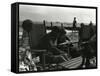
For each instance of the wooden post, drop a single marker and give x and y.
(44, 22)
(51, 24)
(62, 27)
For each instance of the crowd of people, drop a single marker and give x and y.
(52, 41)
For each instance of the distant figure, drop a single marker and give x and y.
(91, 24)
(85, 35)
(74, 22)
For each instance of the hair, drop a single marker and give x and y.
(55, 29)
(82, 24)
(62, 31)
(27, 25)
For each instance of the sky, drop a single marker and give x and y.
(56, 14)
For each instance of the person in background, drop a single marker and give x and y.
(74, 22)
(93, 39)
(85, 34)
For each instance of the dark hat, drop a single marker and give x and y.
(27, 25)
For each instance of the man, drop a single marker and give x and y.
(85, 34)
(49, 42)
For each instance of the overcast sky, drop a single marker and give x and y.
(62, 14)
